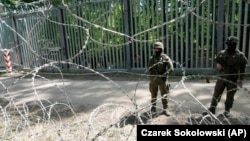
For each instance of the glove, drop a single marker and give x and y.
(240, 83)
(219, 67)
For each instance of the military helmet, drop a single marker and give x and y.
(159, 45)
(232, 39)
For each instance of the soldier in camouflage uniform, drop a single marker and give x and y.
(231, 63)
(160, 65)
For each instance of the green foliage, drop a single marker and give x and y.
(12, 5)
(15, 2)
(56, 2)
(9, 2)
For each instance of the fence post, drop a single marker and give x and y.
(16, 40)
(6, 54)
(64, 52)
(127, 31)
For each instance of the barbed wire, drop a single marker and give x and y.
(19, 119)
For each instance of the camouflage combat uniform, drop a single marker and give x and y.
(231, 64)
(159, 69)
(234, 65)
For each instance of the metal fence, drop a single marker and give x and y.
(118, 34)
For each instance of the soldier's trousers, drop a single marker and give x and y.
(220, 86)
(154, 86)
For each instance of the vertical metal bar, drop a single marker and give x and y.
(157, 19)
(54, 33)
(95, 56)
(140, 43)
(122, 53)
(214, 32)
(233, 19)
(149, 47)
(208, 35)
(109, 38)
(49, 29)
(112, 38)
(24, 33)
(117, 48)
(69, 34)
(166, 28)
(126, 20)
(33, 24)
(172, 34)
(227, 16)
(248, 48)
(119, 62)
(202, 37)
(75, 43)
(36, 34)
(97, 46)
(142, 37)
(145, 47)
(197, 37)
(245, 28)
(176, 34)
(137, 30)
(16, 40)
(182, 38)
(163, 21)
(187, 37)
(163, 34)
(192, 39)
(64, 52)
(104, 48)
(79, 35)
(113, 56)
(44, 43)
(220, 27)
(240, 17)
(109, 50)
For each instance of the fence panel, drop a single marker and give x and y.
(7, 40)
(95, 43)
(38, 39)
(109, 34)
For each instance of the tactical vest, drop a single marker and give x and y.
(231, 63)
(160, 64)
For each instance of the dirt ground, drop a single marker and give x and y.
(106, 107)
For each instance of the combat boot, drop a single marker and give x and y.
(211, 109)
(226, 114)
(166, 112)
(153, 109)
